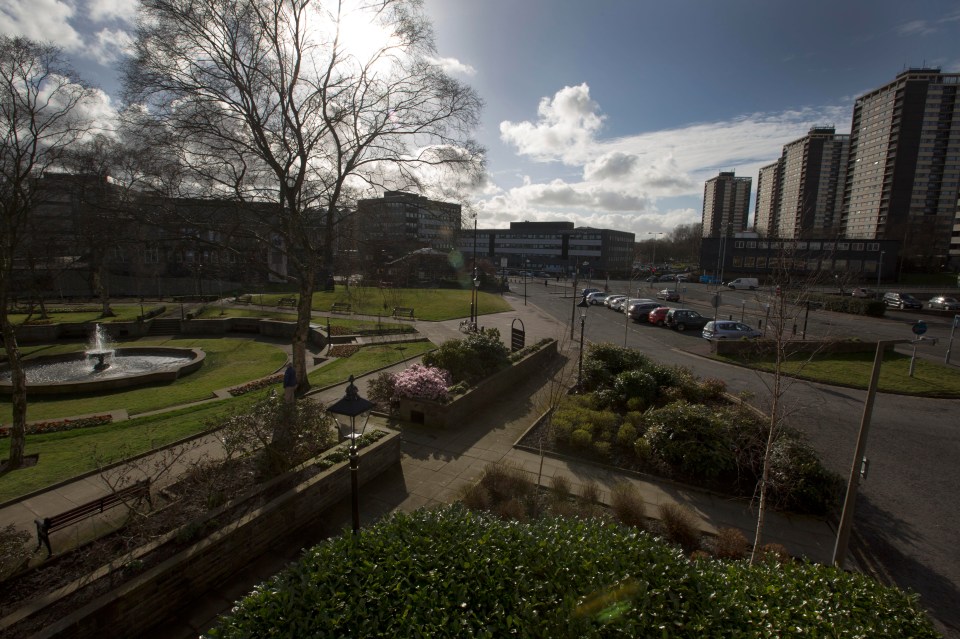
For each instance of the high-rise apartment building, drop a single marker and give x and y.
(767, 208)
(726, 204)
(904, 167)
(811, 184)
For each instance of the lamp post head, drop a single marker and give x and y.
(351, 405)
(583, 303)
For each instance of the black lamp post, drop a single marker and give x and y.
(352, 406)
(476, 295)
(583, 306)
(473, 293)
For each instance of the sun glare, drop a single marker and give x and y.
(362, 36)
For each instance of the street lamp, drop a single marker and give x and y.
(352, 406)
(583, 305)
(573, 314)
(473, 300)
(879, 271)
(653, 259)
(476, 294)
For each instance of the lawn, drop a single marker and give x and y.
(853, 369)
(214, 312)
(71, 453)
(432, 304)
(65, 314)
(229, 362)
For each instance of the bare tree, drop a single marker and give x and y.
(305, 104)
(42, 105)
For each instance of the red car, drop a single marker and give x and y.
(658, 315)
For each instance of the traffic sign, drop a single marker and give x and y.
(919, 328)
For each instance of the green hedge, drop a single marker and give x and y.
(453, 573)
(852, 305)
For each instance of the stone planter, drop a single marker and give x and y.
(456, 411)
(149, 598)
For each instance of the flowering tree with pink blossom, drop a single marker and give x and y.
(422, 382)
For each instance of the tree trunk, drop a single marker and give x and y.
(19, 394)
(97, 277)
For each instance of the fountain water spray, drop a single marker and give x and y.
(100, 348)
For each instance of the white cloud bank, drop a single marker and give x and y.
(643, 182)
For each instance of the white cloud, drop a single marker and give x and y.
(110, 45)
(649, 181)
(42, 21)
(104, 10)
(565, 130)
(916, 27)
(453, 66)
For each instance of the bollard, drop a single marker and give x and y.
(794, 330)
(729, 318)
(759, 324)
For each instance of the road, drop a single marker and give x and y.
(906, 510)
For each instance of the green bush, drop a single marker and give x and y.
(798, 481)
(685, 437)
(471, 359)
(452, 573)
(627, 435)
(581, 439)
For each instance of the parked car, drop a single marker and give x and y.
(682, 278)
(597, 298)
(863, 292)
(667, 278)
(944, 303)
(587, 291)
(639, 310)
(657, 315)
(613, 302)
(652, 278)
(611, 298)
(901, 300)
(729, 330)
(682, 319)
(668, 294)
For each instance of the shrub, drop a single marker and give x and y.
(627, 505)
(637, 388)
(560, 484)
(422, 382)
(685, 437)
(680, 526)
(798, 480)
(581, 439)
(775, 552)
(471, 359)
(730, 544)
(590, 492)
(14, 551)
(381, 390)
(505, 482)
(627, 435)
(458, 575)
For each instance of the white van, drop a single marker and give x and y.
(744, 282)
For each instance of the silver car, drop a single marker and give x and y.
(724, 329)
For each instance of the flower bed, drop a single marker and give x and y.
(343, 350)
(256, 384)
(60, 425)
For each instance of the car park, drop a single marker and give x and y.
(668, 294)
(682, 319)
(724, 329)
(902, 301)
(944, 303)
(657, 315)
(597, 298)
(639, 310)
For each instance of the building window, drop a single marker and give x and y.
(761, 262)
(737, 260)
(738, 244)
(750, 262)
(843, 246)
(151, 255)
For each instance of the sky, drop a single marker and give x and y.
(613, 113)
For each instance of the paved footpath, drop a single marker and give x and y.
(437, 464)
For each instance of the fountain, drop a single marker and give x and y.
(100, 348)
(113, 368)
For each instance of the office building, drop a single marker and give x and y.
(904, 167)
(811, 184)
(767, 207)
(726, 204)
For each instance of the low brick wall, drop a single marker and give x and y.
(792, 347)
(155, 596)
(487, 391)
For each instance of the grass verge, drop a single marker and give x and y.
(853, 370)
(72, 453)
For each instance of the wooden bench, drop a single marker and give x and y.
(402, 312)
(341, 307)
(243, 299)
(287, 301)
(136, 491)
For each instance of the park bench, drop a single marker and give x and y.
(243, 299)
(136, 491)
(341, 307)
(287, 301)
(403, 312)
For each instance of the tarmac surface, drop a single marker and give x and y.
(435, 466)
